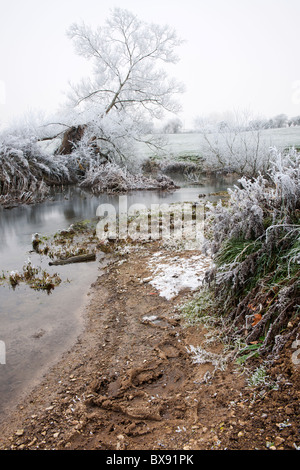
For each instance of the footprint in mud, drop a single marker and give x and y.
(117, 387)
(169, 350)
(134, 405)
(106, 386)
(100, 386)
(144, 410)
(137, 428)
(144, 375)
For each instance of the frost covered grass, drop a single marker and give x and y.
(194, 145)
(259, 377)
(110, 178)
(202, 356)
(200, 309)
(255, 242)
(26, 173)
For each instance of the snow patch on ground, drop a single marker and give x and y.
(171, 275)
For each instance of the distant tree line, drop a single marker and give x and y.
(242, 121)
(276, 122)
(175, 125)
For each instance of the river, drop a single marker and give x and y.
(37, 327)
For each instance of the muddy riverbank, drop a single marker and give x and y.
(132, 380)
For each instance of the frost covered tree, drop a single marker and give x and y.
(173, 126)
(281, 120)
(108, 114)
(128, 85)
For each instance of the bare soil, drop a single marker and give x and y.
(131, 384)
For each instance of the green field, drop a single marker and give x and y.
(192, 144)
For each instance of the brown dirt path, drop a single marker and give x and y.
(129, 383)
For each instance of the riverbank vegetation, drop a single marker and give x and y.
(26, 172)
(33, 276)
(253, 290)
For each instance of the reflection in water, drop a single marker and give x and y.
(37, 327)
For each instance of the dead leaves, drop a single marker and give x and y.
(257, 318)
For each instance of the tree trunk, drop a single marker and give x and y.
(71, 137)
(74, 259)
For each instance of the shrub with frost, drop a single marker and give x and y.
(255, 243)
(110, 177)
(25, 169)
(235, 143)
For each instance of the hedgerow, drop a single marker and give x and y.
(254, 240)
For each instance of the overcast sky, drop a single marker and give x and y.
(238, 54)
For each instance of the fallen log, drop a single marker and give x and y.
(74, 259)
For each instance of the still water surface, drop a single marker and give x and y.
(37, 327)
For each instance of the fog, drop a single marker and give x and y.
(237, 54)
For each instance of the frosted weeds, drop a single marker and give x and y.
(201, 356)
(255, 244)
(110, 177)
(275, 194)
